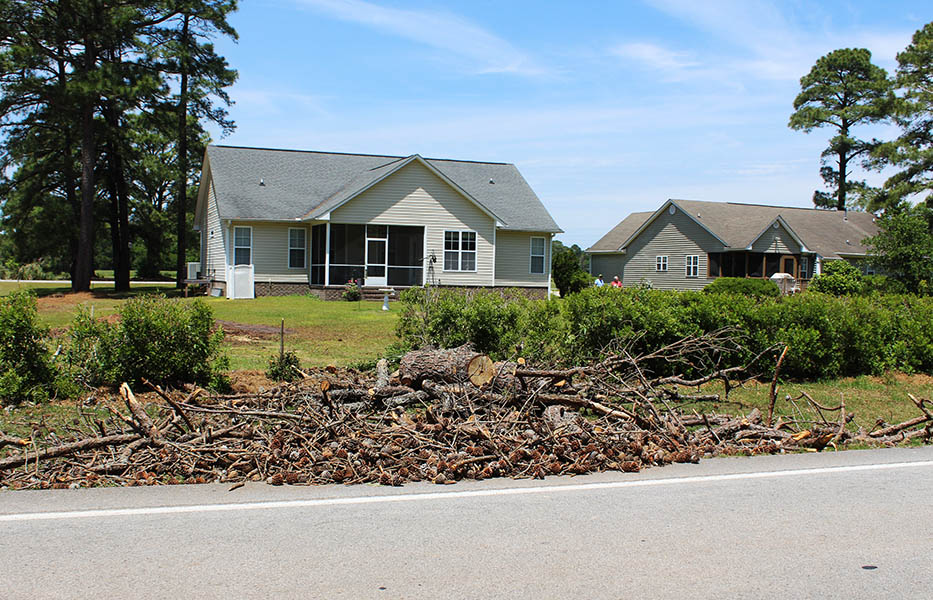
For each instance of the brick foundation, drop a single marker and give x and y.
(265, 288)
(335, 292)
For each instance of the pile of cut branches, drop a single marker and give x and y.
(445, 415)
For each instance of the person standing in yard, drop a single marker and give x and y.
(599, 281)
(615, 282)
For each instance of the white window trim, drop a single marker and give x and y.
(304, 249)
(250, 243)
(661, 261)
(531, 255)
(459, 251)
(695, 267)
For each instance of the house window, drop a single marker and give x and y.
(460, 251)
(803, 267)
(661, 264)
(692, 266)
(297, 248)
(537, 255)
(242, 245)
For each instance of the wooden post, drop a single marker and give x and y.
(282, 341)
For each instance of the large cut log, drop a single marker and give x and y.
(454, 365)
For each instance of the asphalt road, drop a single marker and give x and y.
(853, 524)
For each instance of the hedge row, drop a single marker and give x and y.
(827, 336)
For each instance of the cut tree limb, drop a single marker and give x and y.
(19, 460)
(455, 365)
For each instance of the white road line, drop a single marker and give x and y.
(555, 489)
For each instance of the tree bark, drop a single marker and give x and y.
(456, 365)
(84, 260)
(119, 201)
(181, 203)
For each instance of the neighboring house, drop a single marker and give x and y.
(284, 221)
(686, 244)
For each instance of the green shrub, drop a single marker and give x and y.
(449, 318)
(827, 336)
(284, 367)
(164, 341)
(839, 278)
(882, 284)
(26, 369)
(757, 288)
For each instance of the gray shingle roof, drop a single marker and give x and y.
(301, 184)
(826, 232)
(612, 241)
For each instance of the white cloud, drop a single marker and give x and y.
(652, 56)
(488, 52)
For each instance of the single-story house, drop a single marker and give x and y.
(686, 244)
(287, 221)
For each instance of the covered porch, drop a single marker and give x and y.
(760, 265)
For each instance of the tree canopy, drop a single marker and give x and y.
(843, 90)
(78, 81)
(912, 151)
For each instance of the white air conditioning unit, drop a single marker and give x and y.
(194, 270)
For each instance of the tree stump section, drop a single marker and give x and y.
(456, 365)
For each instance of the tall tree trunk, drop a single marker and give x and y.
(841, 192)
(119, 203)
(84, 260)
(182, 202)
(68, 168)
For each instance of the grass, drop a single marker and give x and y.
(320, 333)
(871, 398)
(108, 274)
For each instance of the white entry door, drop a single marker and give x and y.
(376, 254)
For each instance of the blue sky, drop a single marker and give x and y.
(606, 107)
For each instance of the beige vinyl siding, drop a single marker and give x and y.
(776, 241)
(609, 265)
(215, 260)
(675, 236)
(414, 195)
(270, 252)
(513, 259)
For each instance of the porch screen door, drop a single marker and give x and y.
(789, 266)
(376, 245)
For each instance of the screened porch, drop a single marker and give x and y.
(373, 255)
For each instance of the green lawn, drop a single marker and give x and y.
(320, 333)
(869, 397)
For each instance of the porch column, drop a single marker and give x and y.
(327, 256)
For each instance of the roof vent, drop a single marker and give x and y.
(261, 182)
(698, 216)
(492, 182)
(848, 243)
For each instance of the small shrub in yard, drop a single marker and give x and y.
(284, 367)
(26, 369)
(164, 341)
(352, 293)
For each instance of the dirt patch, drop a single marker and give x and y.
(58, 301)
(237, 331)
(917, 379)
